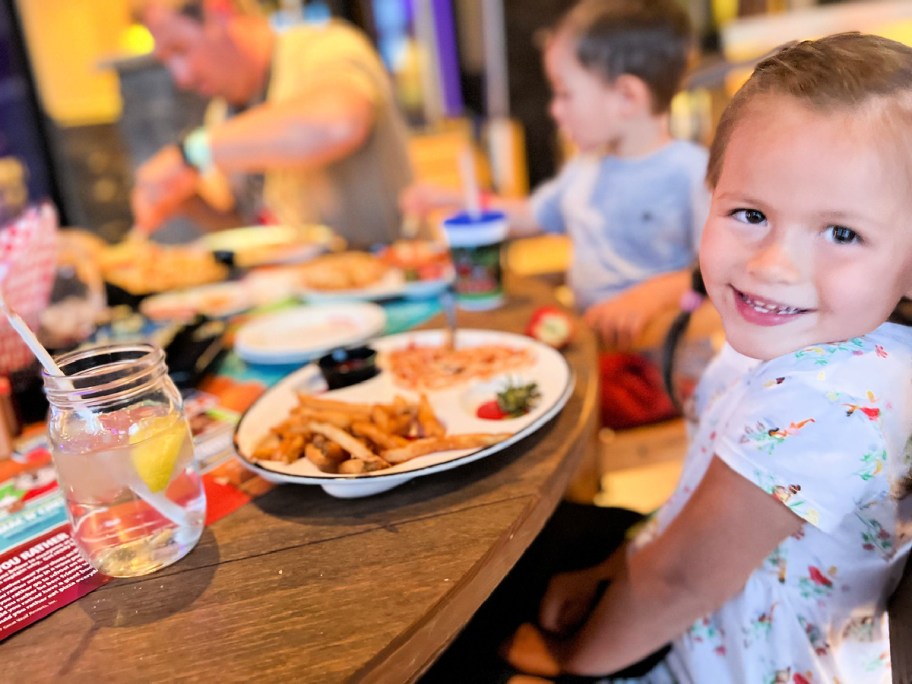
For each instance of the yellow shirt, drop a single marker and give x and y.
(356, 196)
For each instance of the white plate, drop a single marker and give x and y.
(455, 406)
(389, 286)
(305, 332)
(216, 301)
(425, 289)
(261, 245)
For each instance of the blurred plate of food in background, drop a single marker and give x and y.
(425, 265)
(134, 269)
(348, 276)
(215, 301)
(306, 332)
(263, 245)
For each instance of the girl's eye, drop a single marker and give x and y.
(842, 235)
(752, 216)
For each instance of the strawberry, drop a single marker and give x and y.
(511, 402)
(490, 410)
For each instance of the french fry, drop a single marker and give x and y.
(380, 418)
(290, 449)
(318, 403)
(429, 445)
(316, 456)
(267, 447)
(339, 437)
(337, 418)
(382, 439)
(351, 444)
(353, 466)
(427, 420)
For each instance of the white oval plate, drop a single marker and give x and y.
(215, 301)
(455, 406)
(391, 285)
(305, 332)
(425, 289)
(262, 245)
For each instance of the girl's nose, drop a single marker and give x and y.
(774, 262)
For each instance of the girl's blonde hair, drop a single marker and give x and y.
(842, 72)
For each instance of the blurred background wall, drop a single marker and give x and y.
(83, 103)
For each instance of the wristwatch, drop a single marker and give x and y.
(196, 150)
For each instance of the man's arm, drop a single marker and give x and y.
(310, 130)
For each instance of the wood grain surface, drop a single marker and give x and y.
(300, 586)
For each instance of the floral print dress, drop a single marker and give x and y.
(824, 430)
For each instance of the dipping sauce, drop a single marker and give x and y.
(345, 367)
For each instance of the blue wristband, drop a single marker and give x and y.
(196, 149)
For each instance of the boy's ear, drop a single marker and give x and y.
(634, 91)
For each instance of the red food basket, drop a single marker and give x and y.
(28, 245)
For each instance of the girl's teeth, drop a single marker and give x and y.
(763, 307)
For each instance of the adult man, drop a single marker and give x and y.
(310, 108)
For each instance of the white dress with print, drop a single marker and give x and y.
(824, 430)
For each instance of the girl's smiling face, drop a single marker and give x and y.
(809, 238)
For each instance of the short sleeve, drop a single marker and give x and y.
(815, 446)
(310, 57)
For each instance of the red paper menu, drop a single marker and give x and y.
(40, 568)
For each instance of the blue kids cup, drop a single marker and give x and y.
(476, 243)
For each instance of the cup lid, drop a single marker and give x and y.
(465, 230)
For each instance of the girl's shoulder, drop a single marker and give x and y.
(888, 345)
(878, 364)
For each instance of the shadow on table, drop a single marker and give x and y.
(141, 600)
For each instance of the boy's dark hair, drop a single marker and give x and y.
(844, 71)
(649, 39)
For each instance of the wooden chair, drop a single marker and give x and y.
(899, 610)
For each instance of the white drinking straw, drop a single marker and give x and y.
(471, 194)
(161, 503)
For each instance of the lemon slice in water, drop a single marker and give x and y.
(157, 444)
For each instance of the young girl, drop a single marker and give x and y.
(774, 558)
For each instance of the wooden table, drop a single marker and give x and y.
(299, 586)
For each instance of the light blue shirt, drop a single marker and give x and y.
(628, 219)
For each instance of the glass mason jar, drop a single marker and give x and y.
(124, 457)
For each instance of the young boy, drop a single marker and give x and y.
(633, 200)
(775, 556)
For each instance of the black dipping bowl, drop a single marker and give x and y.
(344, 367)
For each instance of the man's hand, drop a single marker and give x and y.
(529, 652)
(163, 184)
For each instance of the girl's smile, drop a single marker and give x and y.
(761, 311)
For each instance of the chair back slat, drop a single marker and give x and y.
(900, 611)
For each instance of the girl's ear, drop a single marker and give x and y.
(634, 91)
